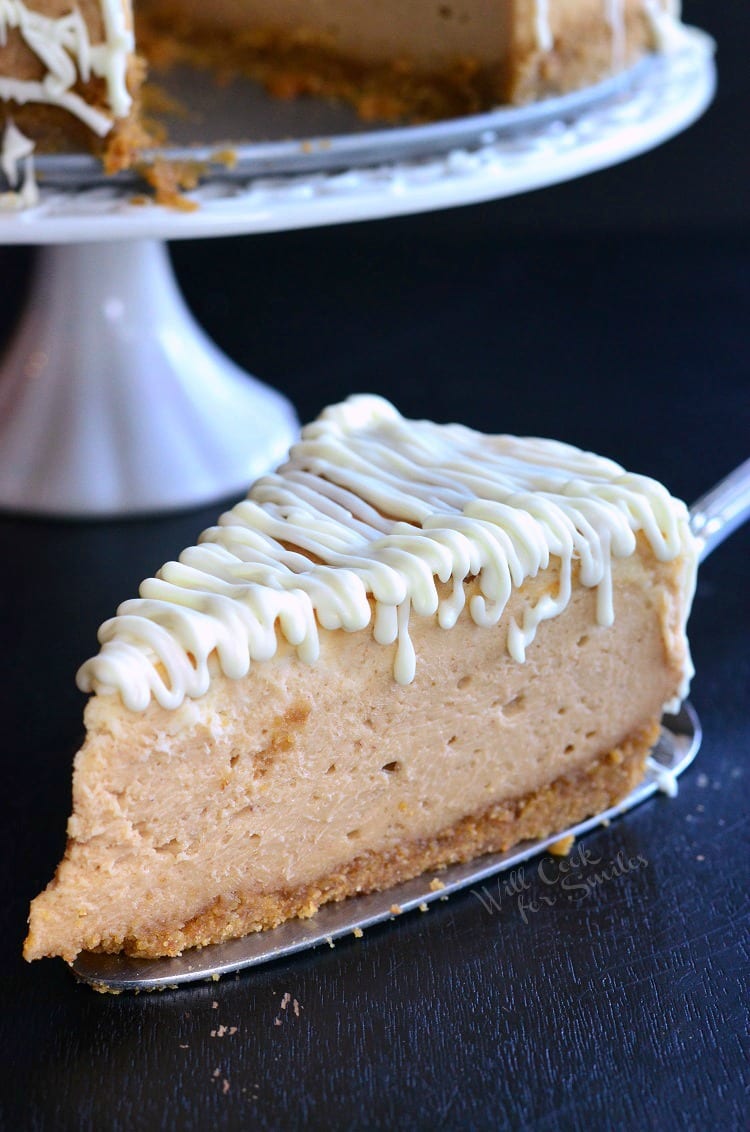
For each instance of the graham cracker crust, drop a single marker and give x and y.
(567, 800)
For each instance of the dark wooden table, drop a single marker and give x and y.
(612, 313)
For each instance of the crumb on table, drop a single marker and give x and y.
(562, 847)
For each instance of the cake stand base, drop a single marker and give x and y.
(113, 401)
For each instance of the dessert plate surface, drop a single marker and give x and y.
(675, 750)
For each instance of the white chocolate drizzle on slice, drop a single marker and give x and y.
(370, 512)
(64, 49)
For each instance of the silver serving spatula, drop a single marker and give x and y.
(712, 518)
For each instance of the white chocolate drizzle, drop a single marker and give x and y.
(18, 154)
(64, 48)
(544, 39)
(370, 513)
(667, 30)
(615, 16)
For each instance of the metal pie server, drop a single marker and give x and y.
(712, 518)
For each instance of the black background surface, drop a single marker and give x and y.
(610, 312)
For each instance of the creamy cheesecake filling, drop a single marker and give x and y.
(435, 34)
(375, 517)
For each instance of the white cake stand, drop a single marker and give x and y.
(113, 401)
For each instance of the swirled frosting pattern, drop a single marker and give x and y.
(368, 515)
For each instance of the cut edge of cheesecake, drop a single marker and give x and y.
(83, 90)
(316, 777)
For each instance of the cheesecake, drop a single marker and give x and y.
(411, 645)
(71, 73)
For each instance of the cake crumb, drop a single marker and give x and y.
(423, 907)
(329, 941)
(702, 780)
(286, 1000)
(436, 885)
(562, 847)
(395, 909)
(226, 157)
(296, 1007)
(214, 1005)
(184, 1046)
(225, 1086)
(171, 179)
(216, 1072)
(358, 933)
(277, 1021)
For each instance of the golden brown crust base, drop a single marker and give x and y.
(562, 803)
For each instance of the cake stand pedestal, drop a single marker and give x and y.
(113, 401)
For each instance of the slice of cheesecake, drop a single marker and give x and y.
(411, 645)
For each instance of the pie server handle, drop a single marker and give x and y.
(721, 510)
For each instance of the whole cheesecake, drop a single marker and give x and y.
(411, 645)
(70, 72)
